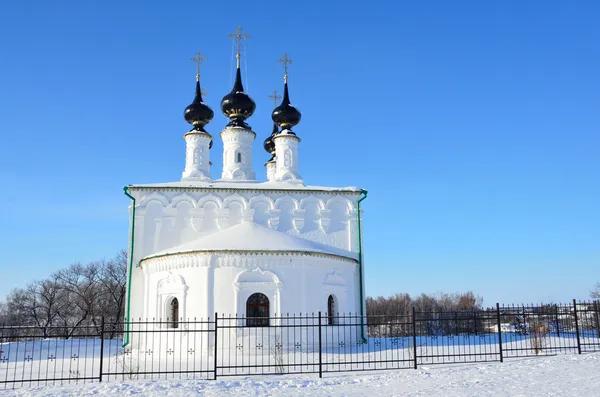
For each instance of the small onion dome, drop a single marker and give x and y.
(237, 105)
(286, 115)
(269, 145)
(198, 114)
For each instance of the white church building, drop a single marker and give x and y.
(236, 244)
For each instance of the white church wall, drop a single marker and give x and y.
(137, 303)
(206, 283)
(167, 219)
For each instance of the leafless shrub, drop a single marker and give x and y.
(276, 352)
(538, 333)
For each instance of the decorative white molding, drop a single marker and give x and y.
(171, 286)
(312, 199)
(210, 198)
(334, 279)
(256, 275)
(244, 259)
(154, 196)
(183, 197)
(235, 198)
(249, 282)
(261, 198)
(287, 198)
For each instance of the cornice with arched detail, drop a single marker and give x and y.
(154, 196)
(235, 198)
(204, 189)
(245, 259)
(330, 203)
(183, 197)
(286, 198)
(312, 199)
(261, 198)
(210, 198)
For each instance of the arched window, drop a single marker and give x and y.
(174, 323)
(239, 157)
(257, 310)
(331, 310)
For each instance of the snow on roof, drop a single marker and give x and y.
(249, 236)
(245, 185)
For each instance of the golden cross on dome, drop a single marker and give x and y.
(198, 59)
(237, 38)
(275, 98)
(285, 61)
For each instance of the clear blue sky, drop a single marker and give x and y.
(474, 125)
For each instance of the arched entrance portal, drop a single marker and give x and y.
(257, 310)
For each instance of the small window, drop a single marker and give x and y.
(174, 323)
(257, 311)
(239, 158)
(331, 309)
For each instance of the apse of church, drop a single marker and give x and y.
(237, 245)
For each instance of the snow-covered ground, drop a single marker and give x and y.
(563, 375)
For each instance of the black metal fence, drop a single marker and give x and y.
(228, 346)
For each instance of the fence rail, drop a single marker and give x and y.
(319, 343)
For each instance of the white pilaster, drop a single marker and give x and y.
(197, 157)
(237, 154)
(286, 147)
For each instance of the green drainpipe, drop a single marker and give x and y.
(360, 269)
(126, 341)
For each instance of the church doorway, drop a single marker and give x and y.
(174, 323)
(257, 310)
(331, 310)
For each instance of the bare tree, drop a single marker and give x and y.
(82, 283)
(595, 293)
(77, 295)
(39, 304)
(439, 313)
(113, 280)
(468, 301)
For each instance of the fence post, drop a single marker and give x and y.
(597, 317)
(101, 348)
(576, 326)
(499, 331)
(320, 350)
(557, 321)
(414, 326)
(215, 352)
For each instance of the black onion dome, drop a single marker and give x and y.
(286, 115)
(198, 114)
(237, 105)
(269, 145)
